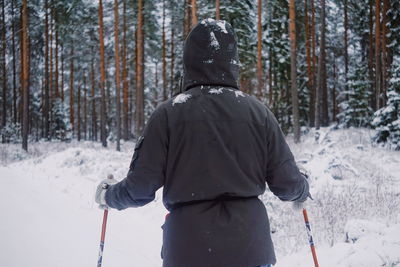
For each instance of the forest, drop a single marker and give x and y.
(95, 70)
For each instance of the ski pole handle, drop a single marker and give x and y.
(103, 227)
(310, 238)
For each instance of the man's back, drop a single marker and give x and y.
(216, 145)
(213, 148)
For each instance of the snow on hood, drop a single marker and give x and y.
(210, 55)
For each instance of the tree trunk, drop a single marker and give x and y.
(260, 82)
(25, 75)
(308, 52)
(132, 107)
(323, 84)
(346, 55)
(103, 134)
(56, 74)
(84, 108)
(71, 90)
(217, 11)
(79, 113)
(51, 87)
(293, 70)
(270, 79)
(4, 67)
(378, 85)
(155, 95)
(187, 20)
(371, 56)
(46, 106)
(117, 75)
(93, 99)
(140, 72)
(194, 13)
(334, 105)
(385, 31)
(62, 75)
(15, 114)
(314, 64)
(125, 105)
(172, 65)
(164, 60)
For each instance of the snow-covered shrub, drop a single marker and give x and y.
(11, 132)
(387, 119)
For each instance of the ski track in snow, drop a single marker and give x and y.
(49, 217)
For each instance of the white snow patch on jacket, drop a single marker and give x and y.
(181, 98)
(239, 93)
(213, 41)
(221, 24)
(216, 91)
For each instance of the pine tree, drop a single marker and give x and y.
(387, 119)
(356, 111)
(241, 15)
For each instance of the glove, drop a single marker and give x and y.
(299, 205)
(100, 197)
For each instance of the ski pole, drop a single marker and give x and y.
(103, 235)
(310, 238)
(103, 228)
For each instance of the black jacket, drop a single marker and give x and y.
(213, 148)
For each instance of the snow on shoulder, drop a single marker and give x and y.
(239, 93)
(216, 91)
(181, 98)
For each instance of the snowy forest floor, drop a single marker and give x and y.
(49, 218)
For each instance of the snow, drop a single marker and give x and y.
(49, 217)
(372, 249)
(207, 20)
(222, 24)
(234, 62)
(216, 91)
(181, 98)
(209, 61)
(239, 93)
(213, 41)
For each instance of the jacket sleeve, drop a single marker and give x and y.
(147, 169)
(283, 177)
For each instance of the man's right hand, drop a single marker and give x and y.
(100, 196)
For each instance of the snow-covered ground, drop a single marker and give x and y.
(49, 219)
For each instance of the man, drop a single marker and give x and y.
(213, 148)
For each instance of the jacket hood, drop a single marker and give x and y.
(210, 55)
